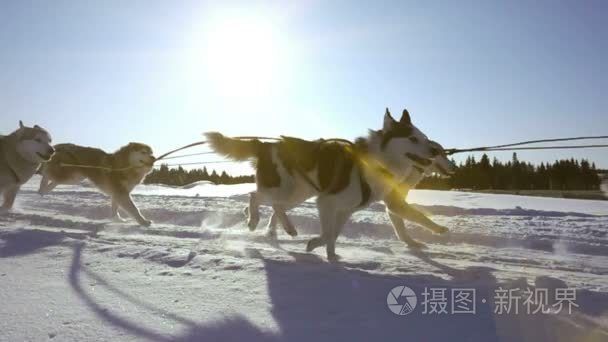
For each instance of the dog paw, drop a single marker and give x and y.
(252, 223)
(118, 219)
(333, 258)
(440, 230)
(413, 244)
(145, 223)
(291, 232)
(314, 243)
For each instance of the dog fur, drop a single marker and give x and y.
(382, 166)
(123, 170)
(21, 154)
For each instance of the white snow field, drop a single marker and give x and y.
(68, 273)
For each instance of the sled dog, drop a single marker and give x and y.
(21, 154)
(345, 178)
(117, 175)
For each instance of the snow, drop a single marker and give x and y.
(68, 273)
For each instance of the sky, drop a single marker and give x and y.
(471, 73)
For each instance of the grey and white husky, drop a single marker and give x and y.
(345, 178)
(115, 174)
(21, 154)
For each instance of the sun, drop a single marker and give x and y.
(244, 56)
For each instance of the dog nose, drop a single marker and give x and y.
(435, 152)
(153, 158)
(51, 151)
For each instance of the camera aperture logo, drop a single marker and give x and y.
(401, 300)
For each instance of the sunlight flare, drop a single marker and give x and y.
(244, 56)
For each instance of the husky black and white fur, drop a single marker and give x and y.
(21, 154)
(345, 178)
(118, 174)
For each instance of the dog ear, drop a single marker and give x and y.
(21, 124)
(405, 117)
(388, 120)
(37, 127)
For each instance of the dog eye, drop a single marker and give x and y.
(38, 140)
(414, 140)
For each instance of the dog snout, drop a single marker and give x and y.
(153, 158)
(51, 151)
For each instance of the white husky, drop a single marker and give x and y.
(21, 154)
(345, 178)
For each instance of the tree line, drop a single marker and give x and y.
(179, 176)
(565, 174)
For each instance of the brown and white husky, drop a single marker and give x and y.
(345, 178)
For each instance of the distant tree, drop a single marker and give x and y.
(179, 176)
(566, 174)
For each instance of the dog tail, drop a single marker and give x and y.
(235, 149)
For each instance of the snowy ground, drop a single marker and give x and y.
(69, 274)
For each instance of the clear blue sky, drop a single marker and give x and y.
(102, 73)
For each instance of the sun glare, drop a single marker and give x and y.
(243, 57)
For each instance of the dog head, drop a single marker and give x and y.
(441, 164)
(139, 155)
(404, 144)
(33, 143)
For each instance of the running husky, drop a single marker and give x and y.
(21, 154)
(115, 174)
(345, 178)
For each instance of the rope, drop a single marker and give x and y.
(104, 168)
(180, 149)
(503, 147)
(165, 156)
(548, 147)
(188, 155)
(202, 163)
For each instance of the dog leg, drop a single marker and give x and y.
(44, 183)
(115, 214)
(340, 220)
(279, 213)
(271, 228)
(399, 207)
(254, 211)
(46, 187)
(9, 195)
(401, 233)
(328, 218)
(127, 204)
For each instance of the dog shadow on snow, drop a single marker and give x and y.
(312, 300)
(235, 328)
(22, 242)
(351, 305)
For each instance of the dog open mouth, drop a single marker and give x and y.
(44, 157)
(147, 164)
(443, 171)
